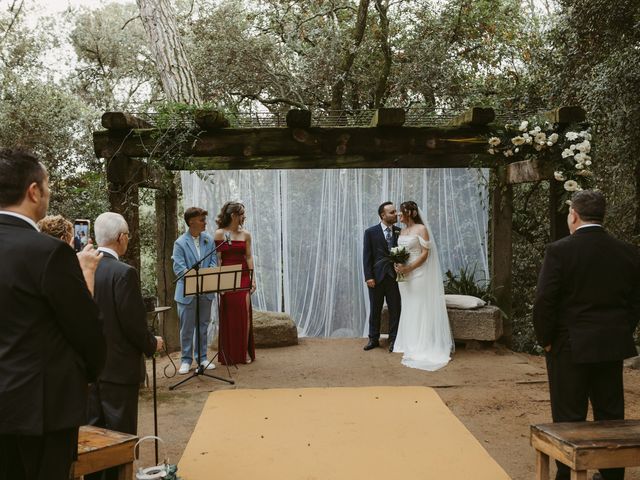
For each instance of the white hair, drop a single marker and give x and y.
(108, 226)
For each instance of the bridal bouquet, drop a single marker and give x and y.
(398, 255)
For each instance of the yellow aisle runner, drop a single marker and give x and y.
(371, 433)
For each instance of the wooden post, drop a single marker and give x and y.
(166, 235)
(122, 177)
(557, 215)
(501, 247)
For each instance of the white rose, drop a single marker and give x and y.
(508, 153)
(538, 147)
(535, 131)
(580, 157)
(579, 166)
(571, 185)
(541, 138)
(494, 141)
(572, 147)
(587, 162)
(571, 136)
(491, 151)
(517, 150)
(553, 138)
(517, 140)
(584, 147)
(523, 126)
(559, 176)
(567, 153)
(586, 135)
(549, 144)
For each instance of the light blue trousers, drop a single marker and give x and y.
(187, 314)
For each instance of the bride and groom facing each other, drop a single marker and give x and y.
(418, 322)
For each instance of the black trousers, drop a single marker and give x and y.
(38, 457)
(113, 406)
(387, 288)
(573, 385)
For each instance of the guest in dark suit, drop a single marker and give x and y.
(113, 399)
(51, 341)
(586, 310)
(380, 275)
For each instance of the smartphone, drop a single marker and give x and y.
(80, 233)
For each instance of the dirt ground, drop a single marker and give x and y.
(496, 393)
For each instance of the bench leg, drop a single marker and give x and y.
(125, 471)
(578, 475)
(542, 465)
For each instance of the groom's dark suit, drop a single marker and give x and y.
(377, 267)
(587, 308)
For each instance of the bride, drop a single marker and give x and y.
(424, 334)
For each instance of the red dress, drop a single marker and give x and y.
(235, 338)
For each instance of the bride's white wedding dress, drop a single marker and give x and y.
(424, 334)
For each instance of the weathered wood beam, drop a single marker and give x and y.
(122, 170)
(418, 143)
(297, 118)
(528, 171)
(210, 119)
(565, 115)
(475, 116)
(388, 117)
(334, 161)
(501, 246)
(123, 121)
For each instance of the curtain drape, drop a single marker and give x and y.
(307, 228)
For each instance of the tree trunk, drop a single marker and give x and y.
(382, 6)
(159, 21)
(337, 90)
(636, 229)
(179, 85)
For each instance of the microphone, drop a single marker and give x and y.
(227, 238)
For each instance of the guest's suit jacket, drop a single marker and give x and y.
(588, 296)
(117, 293)
(51, 341)
(185, 255)
(375, 247)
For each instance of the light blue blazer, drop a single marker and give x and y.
(185, 255)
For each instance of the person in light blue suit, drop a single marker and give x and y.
(190, 247)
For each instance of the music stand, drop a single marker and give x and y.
(199, 281)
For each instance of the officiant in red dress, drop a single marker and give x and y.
(233, 241)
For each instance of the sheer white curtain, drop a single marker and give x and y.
(307, 227)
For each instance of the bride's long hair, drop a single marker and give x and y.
(410, 208)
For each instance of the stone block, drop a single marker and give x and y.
(481, 324)
(273, 329)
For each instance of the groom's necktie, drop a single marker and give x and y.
(387, 236)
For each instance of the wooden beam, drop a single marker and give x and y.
(333, 161)
(528, 171)
(123, 121)
(210, 119)
(419, 143)
(565, 115)
(298, 118)
(388, 117)
(501, 246)
(475, 116)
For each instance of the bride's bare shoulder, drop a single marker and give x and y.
(422, 231)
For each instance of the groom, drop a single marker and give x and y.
(380, 275)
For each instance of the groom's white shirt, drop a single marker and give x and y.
(384, 227)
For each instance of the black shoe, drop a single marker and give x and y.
(391, 343)
(372, 344)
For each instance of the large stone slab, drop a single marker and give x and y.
(484, 324)
(273, 329)
(481, 324)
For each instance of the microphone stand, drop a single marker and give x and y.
(200, 369)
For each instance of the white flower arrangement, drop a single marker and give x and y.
(569, 152)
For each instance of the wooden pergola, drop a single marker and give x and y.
(387, 142)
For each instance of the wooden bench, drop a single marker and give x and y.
(586, 446)
(99, 448)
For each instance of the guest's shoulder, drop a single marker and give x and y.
(372, 228)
